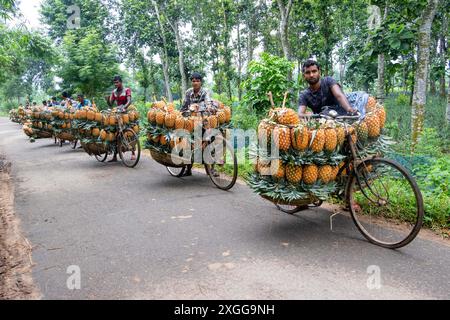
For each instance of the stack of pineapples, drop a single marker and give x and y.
(62, 123)
(14, 115)
(300, 160)
(164, 121)
(40, 125)
(97, 129)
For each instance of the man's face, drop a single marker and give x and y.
(80, 99)
(118, 84)
(196, 84)
(312, 75)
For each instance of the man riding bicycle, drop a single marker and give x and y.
(198, 98)
(122, 96)
(323, 95)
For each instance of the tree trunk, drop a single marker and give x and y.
(448, 104)
(227, 53)
(432, 87)
(442, 52)
(285, 12)
(381, 94)
(176, 30)
(239, 76)
(250, 46)
(145, 94)
(423, 60)
(165, 57)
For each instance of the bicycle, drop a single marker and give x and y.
(126, 144)
(222, 169)
(370, 184)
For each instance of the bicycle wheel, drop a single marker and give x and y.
(385, 203)
(223, 168)
(290, 209)
(101, 157)
(129, 148)
(176, 172)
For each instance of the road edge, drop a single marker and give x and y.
(16, 282)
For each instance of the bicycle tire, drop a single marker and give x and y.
(357, 218)
(177, 174)
(209, 170)
(126, 139)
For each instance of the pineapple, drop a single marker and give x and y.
(90, 115)
(317, 138)
(300, 138)
(362, 131)
(335, 171)
(112, 120)
(222, 117)
(95, 132)
(293, 173)
(228, 114)
(381, 114)
(330, 139)
(125, 118)
(160, 117)
(169, 120)
(340, 131)
(283, 138)
(278, 169)
(213, 122)
(264, 132)
(352, 132)
(163, 140)
(189, 125)
(310, 174)
(98, 117)
(325, 173)
(288, 117)
(373, 125)
(179, 122)
(371, 103)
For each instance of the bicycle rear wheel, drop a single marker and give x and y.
(385, 203)
(101, 157)
(129, 148)
(222, 169)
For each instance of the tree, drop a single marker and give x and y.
(88, 64)
(420, 82)
(7, 8)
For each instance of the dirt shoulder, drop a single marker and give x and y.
(15, 250)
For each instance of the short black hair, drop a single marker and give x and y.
(65, 94)
(44, 102)
(53, 98)
(196, 75)
(80, 95)
(310, 63)
(117, 78)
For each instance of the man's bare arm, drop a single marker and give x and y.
(341, 98)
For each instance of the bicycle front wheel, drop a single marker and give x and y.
(176, 172)
(222, 167)
(385, 203)
(129, 148)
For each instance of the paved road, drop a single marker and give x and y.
(141, 234)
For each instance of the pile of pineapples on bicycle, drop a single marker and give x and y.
(98, 129)
(168, 128)
(299, 160)
(62, 123)
(39, 124)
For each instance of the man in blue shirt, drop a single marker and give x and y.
(82, 102)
